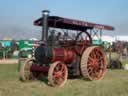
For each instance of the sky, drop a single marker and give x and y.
(17, 16)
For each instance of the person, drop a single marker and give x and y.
(58, 37)
(1, 50)
(51, 38)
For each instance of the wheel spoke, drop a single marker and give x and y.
(25, 72)
(93, 63)
(57, 77)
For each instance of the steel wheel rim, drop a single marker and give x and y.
(57, 74)
(93, 65)
(25, 71)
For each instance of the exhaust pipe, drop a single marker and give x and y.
(45, 14)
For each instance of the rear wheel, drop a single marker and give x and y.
(58, 74)
(93, 63)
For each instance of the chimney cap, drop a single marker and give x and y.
(46, 11)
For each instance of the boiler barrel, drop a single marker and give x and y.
(65, 55)
(47, 55)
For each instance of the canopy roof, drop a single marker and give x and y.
(65, 23)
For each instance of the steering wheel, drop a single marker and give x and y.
(82, 40)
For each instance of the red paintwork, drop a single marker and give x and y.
(64, 55)
(83, 42)
(38, 68)
(59, 74)
(70, 55)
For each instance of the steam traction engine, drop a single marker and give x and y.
(59, 56)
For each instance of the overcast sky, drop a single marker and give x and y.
(17, 16)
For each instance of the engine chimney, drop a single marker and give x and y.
(45, 25)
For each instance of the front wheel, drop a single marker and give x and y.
(58, 73)
(25, 70)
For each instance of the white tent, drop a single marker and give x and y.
(122, 38)
(108, 38)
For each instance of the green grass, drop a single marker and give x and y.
(125, 61)
(115, 83)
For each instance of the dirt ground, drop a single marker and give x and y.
(8, 61)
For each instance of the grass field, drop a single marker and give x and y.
(115, 83)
